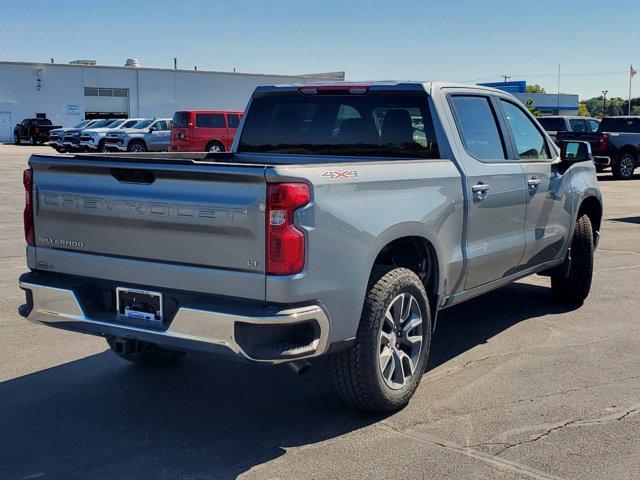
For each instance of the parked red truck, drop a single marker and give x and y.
(204, 130)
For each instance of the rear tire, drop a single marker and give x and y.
(16, 139)
(136, 146)
(624, 166)
(573, 287)
(215, 147)
(34, 140)
(147, 353)
(382, 370)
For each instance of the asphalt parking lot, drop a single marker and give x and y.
(517, 387)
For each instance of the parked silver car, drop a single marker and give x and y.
(93, 138)
(148, 135)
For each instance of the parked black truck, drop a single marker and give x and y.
(34, 130)
(615, 144)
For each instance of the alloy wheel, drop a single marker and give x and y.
(627, 165)
(215, 148)
(400, 341)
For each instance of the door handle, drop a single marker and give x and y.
(480, 187)
(534, 182)
(480, 190)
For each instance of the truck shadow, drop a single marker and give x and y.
(99, 417)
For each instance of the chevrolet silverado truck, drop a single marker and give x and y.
(35, 130)
(153, 135)
(56, 136)
(615, 144)
(71, 137)
(92, 139)
(344, 218)
(555, 124)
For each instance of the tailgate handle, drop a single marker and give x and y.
(126, 175)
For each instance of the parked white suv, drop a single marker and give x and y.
(93, 138)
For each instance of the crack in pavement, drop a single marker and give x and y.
(614, 417)
(489, 459)
(495, 460)
(523, 400)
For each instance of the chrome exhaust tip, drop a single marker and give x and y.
(299, 366)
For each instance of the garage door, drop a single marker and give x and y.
(106, 102)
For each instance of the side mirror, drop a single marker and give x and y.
(152, 129)
(575, 151)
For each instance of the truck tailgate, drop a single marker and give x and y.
(169, 212)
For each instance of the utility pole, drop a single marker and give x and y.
(558, 86)
(604, 102)
(506, 77)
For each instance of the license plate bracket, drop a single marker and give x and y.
(139, 304)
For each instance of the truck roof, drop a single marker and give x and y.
(408, 85)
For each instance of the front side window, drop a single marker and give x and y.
(478, 127)
(234, 120)
(161, 125)
(530, 143)
(384, 124)
(210, 120)
(181, 119)
(594, 124)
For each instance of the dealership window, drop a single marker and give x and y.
(105, 92)
(210, 120)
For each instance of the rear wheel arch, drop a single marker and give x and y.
(418, 254)
(592, 207)
(211, 143)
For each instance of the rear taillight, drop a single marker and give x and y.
(27, 180)
(37, 130)
(602, 144)
(285, 242)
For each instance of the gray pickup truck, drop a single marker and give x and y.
(344, 218)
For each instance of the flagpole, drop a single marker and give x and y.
(632, 72)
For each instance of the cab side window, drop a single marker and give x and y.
(529, 142)
(478, 127)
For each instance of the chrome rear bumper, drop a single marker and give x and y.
(190, 329)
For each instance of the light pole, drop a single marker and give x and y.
(604, 102)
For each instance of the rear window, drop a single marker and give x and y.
(180, 119)
(622, 125)
(210, 120)
(41, 121)
(389, 124)
(552, 124)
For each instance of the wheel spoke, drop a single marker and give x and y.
(387, 363)
(414, 322)
(385, 337)
(389, 318)
(406, 364)
(396, 309)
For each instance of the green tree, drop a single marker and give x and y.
(534, 111)
(535, 88)
(583, 111)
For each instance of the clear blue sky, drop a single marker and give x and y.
(459, 40)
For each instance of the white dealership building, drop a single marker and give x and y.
(68, 93)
